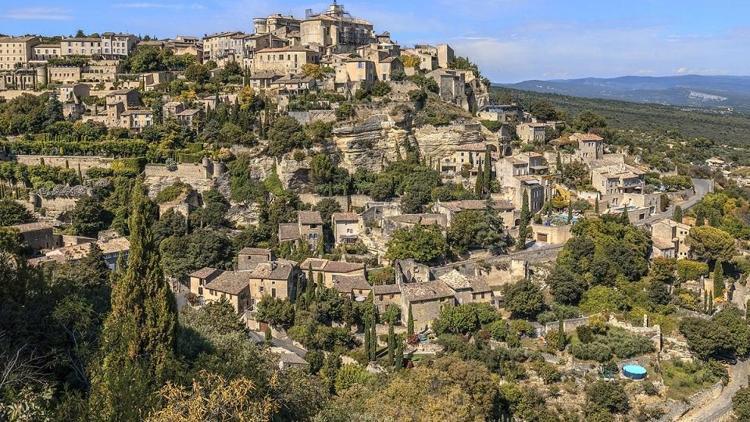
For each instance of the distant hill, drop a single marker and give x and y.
(713, 92)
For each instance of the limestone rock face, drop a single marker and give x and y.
(244, 215)
(294, 174)
(369, 144)
(437, 142)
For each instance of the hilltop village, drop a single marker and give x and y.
(368, 224)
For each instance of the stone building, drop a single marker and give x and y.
(532, 133)
(346, 227)
(425, 300)
(37, 236)
(526, 172)
(354, 287)
(329, 269)
(197, 280)
(335, 30)
(670, 239)
(277, 279)
(249, 258)
(232, 286)
(284, 60)
(309, 228)
(16, 51)
(590, 146)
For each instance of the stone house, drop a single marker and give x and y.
(309, 227)
(670, 239)
(275, 279)
(386, 294)
(425, 300)
(354, 73)
(346, 227)
(465, 159)
(551, 234)
(526, 172)
(135, 120)
(249, 258)
(617, 179)
(467, 289)
(37, 236)
(190, 118)
(231, 286)
(294, 84)
(354, 287)
(261, 81)
(329, 269)
(284, 60)
(452, 86)
(590, 146)
(197, 280)
(504, 209)
(532, 133)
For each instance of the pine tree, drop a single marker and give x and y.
(523, 229)
(677, 214)
(410, 323)
(138, 338)
(719, 279)
(391, 344)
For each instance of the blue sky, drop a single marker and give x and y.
(512, 40)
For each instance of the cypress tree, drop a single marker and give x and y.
(559, 165)
(487, 171)
(719, 279)
(677, 214)
(624, 219)
(268, 335)
(410, 323)
(310, 286)
(320, 284)
(700, 217)
(374, 335)
(523, 229)
(479, 184)
(561, 340)
(399, 356)
(596, 206)
(391, 344)
(139, 334)
(367, 343)
(570, 211)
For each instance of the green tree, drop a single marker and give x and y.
(677, 214)
(741, 404)
(139, 333)
(588, 120)
(410, 323)
(711, 244)
(423, 244)
(719, 279)
(11, 213)
(474, 229)
(391, 344)
(275, 311)
(88, 217)
(543, 110)
(524, 299)
(523, 228)
(608, 396)
(284, 135)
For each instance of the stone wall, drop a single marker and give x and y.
(66, 161)
(306, 117)
(357, 201)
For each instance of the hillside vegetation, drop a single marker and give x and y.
(730, 129)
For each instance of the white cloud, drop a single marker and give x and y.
(39, 14)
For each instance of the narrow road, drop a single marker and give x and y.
(715, 409)
(702, 188)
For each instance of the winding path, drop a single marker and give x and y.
(719, 407)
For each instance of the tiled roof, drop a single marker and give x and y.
(476, 204)
(30, 227)
(456, 280)
(309, 217)
(272, 271)
(204, 272)
(254, 251)
(345, 216)
(384, 289)
(479, 285)
(232, 282)
(586, 137)
(431, 290)
(347, 283)
(331, 266)
(288, 231)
